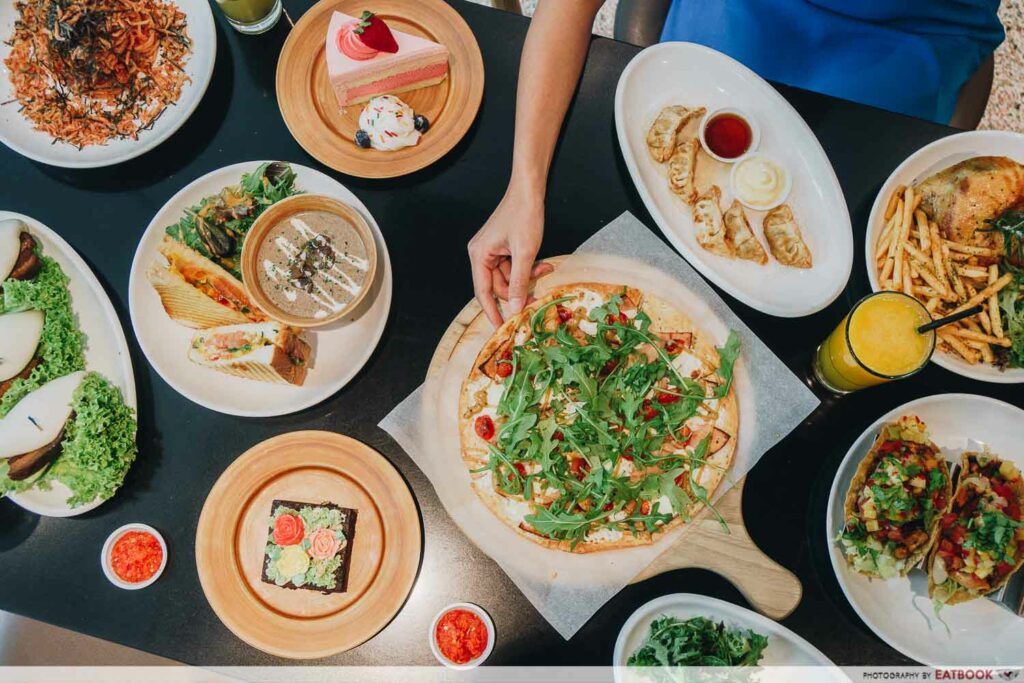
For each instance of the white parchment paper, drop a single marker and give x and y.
(569, 588)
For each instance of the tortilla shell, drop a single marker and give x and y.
(864, 470)
(664, 318)
(962, 594)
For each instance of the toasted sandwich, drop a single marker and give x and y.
(268, 352)
(197, 292)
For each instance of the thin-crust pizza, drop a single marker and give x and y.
(599, 418)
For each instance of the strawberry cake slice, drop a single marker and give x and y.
(365, 58)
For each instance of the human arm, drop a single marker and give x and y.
(502, 253)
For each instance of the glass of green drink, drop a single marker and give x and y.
(251, 16)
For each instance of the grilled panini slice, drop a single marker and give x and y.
(198, 293)
(682, 170)
(268, 352)
(707, 218)
(784, 238)
(738, 232)
(661, 138)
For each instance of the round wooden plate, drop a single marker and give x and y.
(310, 467)
(769, 587)
(310, 108)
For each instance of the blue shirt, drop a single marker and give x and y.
(908, 56)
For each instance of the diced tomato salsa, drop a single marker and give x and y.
(461, 636)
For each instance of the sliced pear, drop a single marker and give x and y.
(10, 245)
(19, 339)
(38, 419)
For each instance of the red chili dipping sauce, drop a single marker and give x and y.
(728, 135)
(136, 556)
(461, 636)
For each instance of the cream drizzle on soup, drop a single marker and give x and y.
(312, 264)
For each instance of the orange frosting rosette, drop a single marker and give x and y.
(322, 544)
(288, 530)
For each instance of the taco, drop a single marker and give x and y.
(895, 502)
(981, 538)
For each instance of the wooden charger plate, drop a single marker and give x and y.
(769, 587)
(310, 108)
(312, 467)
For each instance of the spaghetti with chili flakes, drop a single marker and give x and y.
(86, 72)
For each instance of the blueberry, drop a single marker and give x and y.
(422, 123)
(362, 138)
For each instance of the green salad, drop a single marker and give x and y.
(60, 346)
(697, 641)
(216, 227)
(1010, 226)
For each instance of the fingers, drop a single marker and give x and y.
(541, 268)
(499, 283)
(502, 272)
(519, 282)
(483, 289)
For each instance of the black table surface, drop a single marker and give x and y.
(49, 568)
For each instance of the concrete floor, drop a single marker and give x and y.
(20, 637)
(27, 642)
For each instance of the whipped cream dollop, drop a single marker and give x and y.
(389, 123)
(352, 46)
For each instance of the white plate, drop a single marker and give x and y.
(684, 73)
(339, 350)
(17, 133)
(106, 351)
(785, 648)
(930, 159)
(980, 632)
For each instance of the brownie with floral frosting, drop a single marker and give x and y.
(309, 546)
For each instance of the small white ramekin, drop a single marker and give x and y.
(755, 132)
(484, 616)
(108, 571)
(787, 186)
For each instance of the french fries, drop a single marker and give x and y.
(912, 256)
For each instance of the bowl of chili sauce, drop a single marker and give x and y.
(462, 635)
(729, 134)
(134, 556)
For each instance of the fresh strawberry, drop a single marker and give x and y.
(375, 33)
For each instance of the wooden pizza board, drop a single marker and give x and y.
(310, 108)
(313, 467)
(769, 587)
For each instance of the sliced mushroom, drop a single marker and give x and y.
(718, 440)
(28, 263)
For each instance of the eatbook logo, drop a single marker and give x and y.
(977, 674)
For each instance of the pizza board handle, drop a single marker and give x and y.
(769, 587)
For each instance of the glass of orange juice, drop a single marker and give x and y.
(876, 342)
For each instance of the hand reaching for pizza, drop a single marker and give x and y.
(502, 254)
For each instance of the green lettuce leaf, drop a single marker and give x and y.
(60, 346)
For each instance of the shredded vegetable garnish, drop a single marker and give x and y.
(87, 72)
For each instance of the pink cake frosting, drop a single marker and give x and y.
(418, 63)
